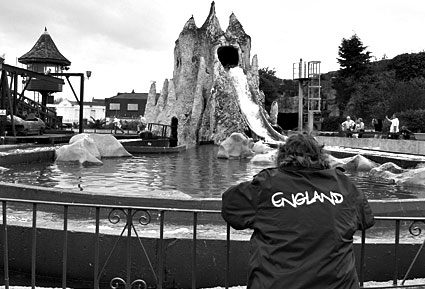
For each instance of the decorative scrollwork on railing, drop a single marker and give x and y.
(414, 228)
(143, 216)
(115, 283)
(138, 283)
(114, 215)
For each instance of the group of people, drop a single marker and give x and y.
(117, 124)
(353, 128)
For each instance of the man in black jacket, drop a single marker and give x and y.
(304, 215)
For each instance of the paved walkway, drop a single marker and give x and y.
(371, 284)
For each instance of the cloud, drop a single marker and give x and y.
(137, 37)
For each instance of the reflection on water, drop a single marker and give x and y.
(196, 172)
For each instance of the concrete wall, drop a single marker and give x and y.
(388, 145)
(27, 157)
(177, 261)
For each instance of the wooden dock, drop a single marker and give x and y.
(39, 139)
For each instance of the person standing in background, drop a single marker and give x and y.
(394, 127)
(348, 126)
(117, 125)
(359, 129)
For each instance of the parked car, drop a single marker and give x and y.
(25, 127)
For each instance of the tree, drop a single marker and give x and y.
(96, 123)
(408, 66)
(353, 58)
(269, 85)
(355, 64)
(58, 100)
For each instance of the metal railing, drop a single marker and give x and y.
(122, 257)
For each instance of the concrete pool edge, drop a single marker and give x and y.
(27, 156)
(396, 207)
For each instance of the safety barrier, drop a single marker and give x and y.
(70, 240)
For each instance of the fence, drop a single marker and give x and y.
(65, 239)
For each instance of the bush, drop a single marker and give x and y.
(129, 124)
(413, 119)
(332, 123)
(96, 123)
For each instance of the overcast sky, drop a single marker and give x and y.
(129, 43)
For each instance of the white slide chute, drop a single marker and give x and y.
(250, 109)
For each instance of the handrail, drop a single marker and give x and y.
(163, 128)
(49, 114)
(125, 255)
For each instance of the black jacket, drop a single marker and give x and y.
(303, 222)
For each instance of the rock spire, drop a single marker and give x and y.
(201, 95)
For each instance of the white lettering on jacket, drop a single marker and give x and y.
(306, 198)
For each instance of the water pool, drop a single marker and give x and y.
(196, 172)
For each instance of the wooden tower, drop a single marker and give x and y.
(45, 58)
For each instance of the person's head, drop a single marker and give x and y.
(359, 119)
(348, 118)
(302, 150)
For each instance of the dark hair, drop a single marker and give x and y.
(302, 150)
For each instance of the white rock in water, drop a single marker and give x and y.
(88, 149)
(234, 147)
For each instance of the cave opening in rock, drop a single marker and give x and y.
(228, 56)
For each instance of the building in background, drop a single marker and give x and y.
(70, 110)
(126, 105)
(123, 106)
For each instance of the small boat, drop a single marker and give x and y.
(150, 146)
(154, 140)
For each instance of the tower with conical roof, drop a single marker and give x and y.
(45, 58)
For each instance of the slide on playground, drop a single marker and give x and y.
(254, 116)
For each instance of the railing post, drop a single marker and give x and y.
(362, 253)
(195, 224)
(5, 247)
(161, 250)
(34, 244)
(96, 250)
(128, 253)
(227, 267)
(65, 246)
(396, 243)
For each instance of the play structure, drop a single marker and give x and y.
(45, 65)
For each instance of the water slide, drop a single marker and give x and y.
(254, 116)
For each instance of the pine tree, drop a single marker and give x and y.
(353, 58)
(355, 64)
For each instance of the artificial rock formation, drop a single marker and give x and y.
(201, 96)
(236, 146)
(88, 149)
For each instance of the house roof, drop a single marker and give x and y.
(99, 101)
(94, 102)
(131, 95)
(89, 103)
(44, 51)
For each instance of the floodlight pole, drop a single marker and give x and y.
(300, 106)
(81, 116)
(299, 74)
